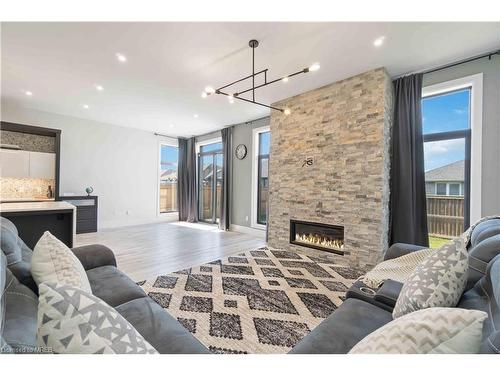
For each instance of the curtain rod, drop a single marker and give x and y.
(450, 65)
(164, 135)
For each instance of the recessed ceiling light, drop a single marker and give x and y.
(121, 57)
(287, 111)
(28, 93)
(379, 41)
(195, 115)
(86, 106)
(99, 87)
(171, 125)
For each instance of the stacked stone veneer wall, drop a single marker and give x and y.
(345, 128)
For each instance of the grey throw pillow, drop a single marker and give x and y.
(431, 331)
(71, 320)
(438, 281)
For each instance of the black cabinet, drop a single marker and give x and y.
(86, 212)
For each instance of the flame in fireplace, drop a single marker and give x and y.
(319, 240)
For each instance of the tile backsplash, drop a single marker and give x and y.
(15, 188)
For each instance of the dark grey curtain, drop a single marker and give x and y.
(187, 198)
(227, 150)
(408, 213)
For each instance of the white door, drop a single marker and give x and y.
(15, 163)
(42, 165)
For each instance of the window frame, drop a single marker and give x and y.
(473, 139)
(255, 175)
(164, 142)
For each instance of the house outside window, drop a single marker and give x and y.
(169, 156)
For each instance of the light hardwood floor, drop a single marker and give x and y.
(150, 250)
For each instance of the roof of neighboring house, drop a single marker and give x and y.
(449, 172)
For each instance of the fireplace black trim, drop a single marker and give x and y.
(322, 248)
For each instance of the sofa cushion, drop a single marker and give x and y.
(9, 241)
(53, 261)
(113, 286)
(438, 281)
(481, 255)
(343, 329)
(20, 319)
(434, 330)
(70, 320)
(159, 328)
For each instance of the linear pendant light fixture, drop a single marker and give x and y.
(237, 95)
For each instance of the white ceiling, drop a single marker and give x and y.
(169, 64)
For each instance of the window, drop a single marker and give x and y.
(446, 127)
(263, 178)
(454, 189)
(169, 156)
(441, 189)
(260, 176)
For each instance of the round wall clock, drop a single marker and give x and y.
(241, 151)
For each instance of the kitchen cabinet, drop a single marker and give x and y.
(42, 165)
(19, 163)
(15, 163)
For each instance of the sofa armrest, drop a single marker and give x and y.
(93, 256)
(399, 249)
(388, 293)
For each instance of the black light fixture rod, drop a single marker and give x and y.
(252, 101)
(242, 79)
(253, 73)
(270, 82)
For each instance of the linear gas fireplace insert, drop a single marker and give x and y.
(319, 236)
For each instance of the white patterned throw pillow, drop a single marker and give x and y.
(53, 261)
(71, 320)
(438, 281)
(436, 330)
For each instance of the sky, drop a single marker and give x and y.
(441, 114)
(169, 157)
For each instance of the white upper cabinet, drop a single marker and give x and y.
(42, 165)
(15, 163)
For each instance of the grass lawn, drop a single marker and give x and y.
(436, 242)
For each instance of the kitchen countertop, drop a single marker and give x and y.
(28, 199)
(35, 206)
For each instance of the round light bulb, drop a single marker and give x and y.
(285, 79)
(209, 90)
(204, 94)
(314, 67)
(99, 87)
(230, 98)
(86, 106)
(195, 116)
(287, 111)
(29, 93)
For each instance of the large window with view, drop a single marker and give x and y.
(446, 121)
(169, 156)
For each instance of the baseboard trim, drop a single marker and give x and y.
(248, 230)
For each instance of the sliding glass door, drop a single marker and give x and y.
(210, 182)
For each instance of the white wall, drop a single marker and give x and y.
(121, 164)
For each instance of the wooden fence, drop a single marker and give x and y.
(168, 197)
(445, 215)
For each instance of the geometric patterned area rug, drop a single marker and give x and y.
(258, 301)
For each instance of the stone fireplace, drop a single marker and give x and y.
(329, 170)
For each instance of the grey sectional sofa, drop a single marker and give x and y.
(363, 313)
(19, 301)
